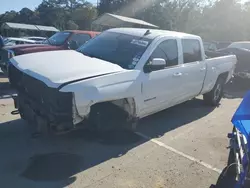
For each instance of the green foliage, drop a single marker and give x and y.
(212, 19)
(72, 25)
(63, 14)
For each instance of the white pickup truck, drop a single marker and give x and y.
(118, 77)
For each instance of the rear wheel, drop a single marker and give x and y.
(213, 98)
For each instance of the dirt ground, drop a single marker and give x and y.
(182, 147)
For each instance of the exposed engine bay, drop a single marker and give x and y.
(37, 103)
(48, 109)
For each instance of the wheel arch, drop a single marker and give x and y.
(126, 104)
(223, 76)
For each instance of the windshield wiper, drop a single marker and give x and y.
(89, 55)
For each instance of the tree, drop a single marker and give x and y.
(72, 25)
(84, 16)
(211, 19)
(52, 15)
(8, 16)
(65, 13)
(221, 21)
(27, 16)
(113, 6)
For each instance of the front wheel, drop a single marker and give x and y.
(109, 117)
(213, 98)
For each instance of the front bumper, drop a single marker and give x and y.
(36, 103)
(44, 117)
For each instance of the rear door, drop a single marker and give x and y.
(194, 68)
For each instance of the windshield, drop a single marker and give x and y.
(121, 49)
(58, 39)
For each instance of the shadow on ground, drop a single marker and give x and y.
(227, 179)
(236, 89)
(172, 118)
(54, 161)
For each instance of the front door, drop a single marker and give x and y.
(161, 88)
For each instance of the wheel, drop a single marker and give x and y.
(107, 117)
(232, 169)
(131, 125)
(213, 98)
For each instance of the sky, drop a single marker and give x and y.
(17, 5)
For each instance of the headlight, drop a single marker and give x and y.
(10, 54)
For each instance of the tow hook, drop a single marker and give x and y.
(16, 102)
(15, 112)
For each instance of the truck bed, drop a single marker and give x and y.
(212, 54)
(217, 66)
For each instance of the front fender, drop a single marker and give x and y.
(86, 96)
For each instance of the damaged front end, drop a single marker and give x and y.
(47, 108)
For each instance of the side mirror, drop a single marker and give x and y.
(156, 64)
(73, 45)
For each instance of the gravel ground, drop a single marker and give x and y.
(182, 147)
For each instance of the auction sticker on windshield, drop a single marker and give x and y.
(140, 42)
(136, 59)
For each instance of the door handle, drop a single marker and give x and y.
(178, 74)
(202, 69)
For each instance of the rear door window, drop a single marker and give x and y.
(191, 50)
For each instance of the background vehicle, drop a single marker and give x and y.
(37, 39)
(240, 45)
(11, 41)
(215, 45)
(222, 44)
(118, 77)
(210, 46)
(242, 52)
(59, 41)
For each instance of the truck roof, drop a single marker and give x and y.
(92, 33)
(153, 33)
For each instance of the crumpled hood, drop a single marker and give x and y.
(58, 67)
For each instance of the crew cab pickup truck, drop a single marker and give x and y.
(59, 41)
(118, 77)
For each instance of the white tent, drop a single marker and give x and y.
(8, 25)
(111, 20)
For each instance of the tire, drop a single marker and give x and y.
(108, 117)
(213, 97)
(232, 169)
(132, 125)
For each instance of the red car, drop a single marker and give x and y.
(71, 39)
